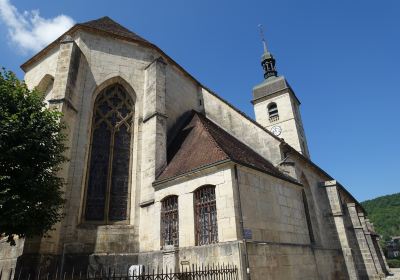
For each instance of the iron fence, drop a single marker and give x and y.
(194, 272)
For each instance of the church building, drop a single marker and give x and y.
(162, 171)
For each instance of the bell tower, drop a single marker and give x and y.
(276, 106)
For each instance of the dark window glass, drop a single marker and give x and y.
(107, 189)
(169, 221)
(308, 218)
(206, 216)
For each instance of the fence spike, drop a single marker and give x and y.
(11, 274)
(39, 273)
(197, 271)
(19, 274)
(56, 275)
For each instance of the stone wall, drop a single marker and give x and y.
(321, 215)
(289, 117)
(284, 261)
(272, 208)
(226, 210)
(175, 259)
(45, 66)
(182, 95)
(242, 128)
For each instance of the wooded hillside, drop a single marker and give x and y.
(384, 213)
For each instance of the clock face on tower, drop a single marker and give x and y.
(276, 130)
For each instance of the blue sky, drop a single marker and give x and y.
(342, 58)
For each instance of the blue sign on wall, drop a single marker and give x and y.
(247, 233)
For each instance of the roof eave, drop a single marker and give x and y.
(204, 167)
(77, 27)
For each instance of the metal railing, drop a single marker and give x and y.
(194, 272)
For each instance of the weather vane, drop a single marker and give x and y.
(260, 26)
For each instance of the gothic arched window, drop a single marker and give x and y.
(273, 112)
(108, 170)
(206, 215)
(169, 221)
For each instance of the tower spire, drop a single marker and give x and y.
(260, 26)
(267, 60)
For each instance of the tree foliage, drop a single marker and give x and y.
(384, 213)
(31, 151)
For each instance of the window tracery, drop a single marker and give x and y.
(108, 177)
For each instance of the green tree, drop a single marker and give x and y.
(31, 152)
(384, 212)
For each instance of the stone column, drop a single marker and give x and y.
(382, 257)
(337, 213)
(66, 74)
(367, 233)
(64, 100)
(154, 149)
(365, 251)
(154, 135)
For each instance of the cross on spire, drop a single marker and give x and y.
(260, 26)
(267, 60)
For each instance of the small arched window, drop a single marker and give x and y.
(273, 112)
(169, 221)
(45, 86)
(108, 170)
(206, 215)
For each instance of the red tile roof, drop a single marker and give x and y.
(201, 143)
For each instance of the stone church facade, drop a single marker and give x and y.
(164, 172)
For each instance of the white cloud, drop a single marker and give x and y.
(28, 30)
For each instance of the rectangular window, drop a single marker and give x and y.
(206, 216)
(169, 221)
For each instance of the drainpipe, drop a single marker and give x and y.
(246, 255)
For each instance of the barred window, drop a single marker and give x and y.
(169, 221)
(108, 170)
(206, 216)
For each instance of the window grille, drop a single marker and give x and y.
(108, 170)
(273, 112)
(206, 216)
(169, 221)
